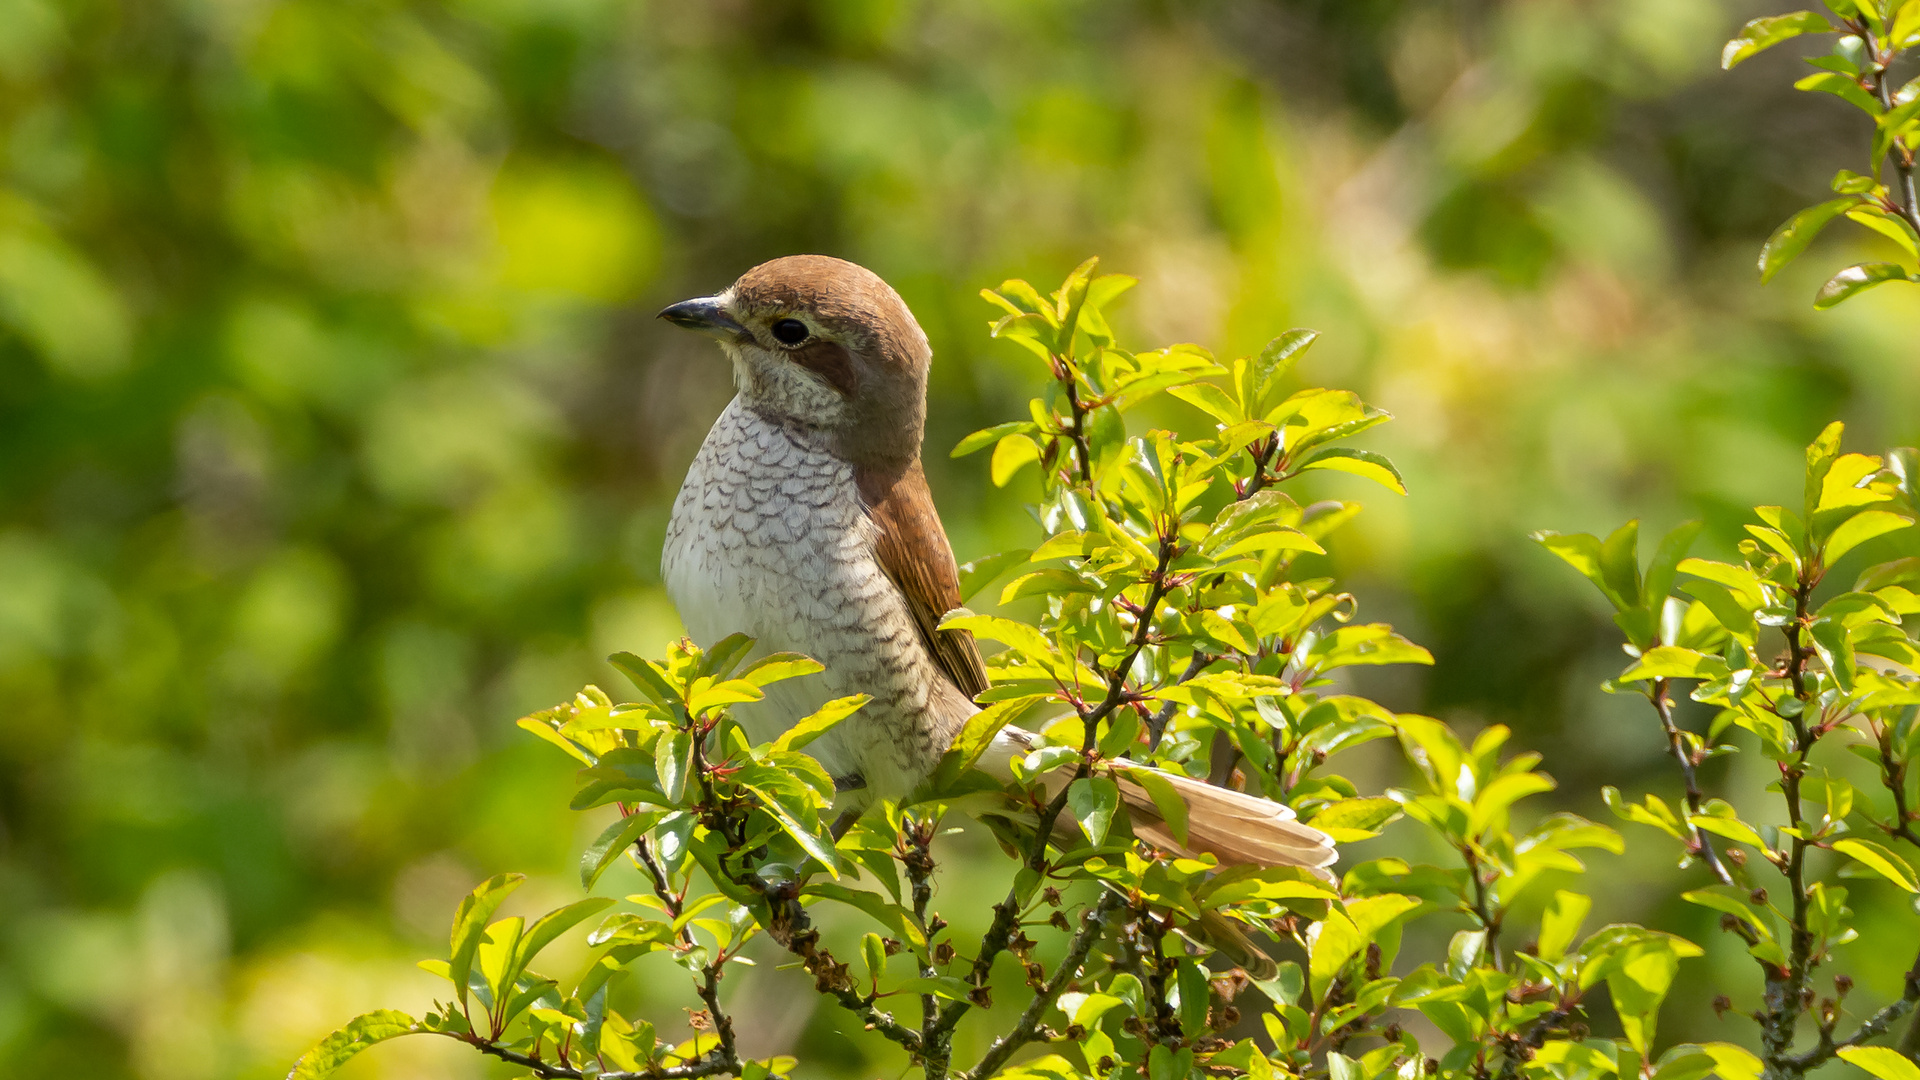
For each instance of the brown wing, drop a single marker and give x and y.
(914, 552)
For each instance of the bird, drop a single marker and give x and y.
(806, 522)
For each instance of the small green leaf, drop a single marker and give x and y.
(775, 667)
(820, 722)
(1561, 923)
(672, 760)
(470, 924)
(1010, 455)
(1857, 279)
(1792, 238)
(873, 951)
(1861, 528)
(615, 839)
(1764, 33)
(1211, 400)
(980, 440)
(361, 1032)
(1880, 860)
(1733, 1062)
(974, 738)
(647, 677)
(1582, 551)
(1173, 809)
(981, 573)
(1620, 562)
(1844, 87)
(1365, 463)
(1273, 363)
(550, 926)
(1882, 1061)
(1093, 800)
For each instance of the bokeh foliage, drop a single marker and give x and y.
(334, 431)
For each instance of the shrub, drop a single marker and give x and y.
(1173, 628)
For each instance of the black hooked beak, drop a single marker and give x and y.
(708, 315)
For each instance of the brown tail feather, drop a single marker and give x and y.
(1236, 828)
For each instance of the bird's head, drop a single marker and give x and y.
(825, 343)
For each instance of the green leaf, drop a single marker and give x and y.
(975, 736)
(1010, 455)
(1173, 808)
(1620, 562)
(792, 817)
(1882, 1061)
(1858, 279)
(1835, 646)
(1673, 662)
(1792, 238)
(1365, 463)
(672, 760)
(1892, 226)
(470, 924)
(873, 952)
(1733, 1062)
(550, 926)
(647, 677)
(1638, 982)
(1880, 860)
(615, 839)
(776, 667)
(1666, 561)
(720, 659)
(1017, 635)
(1861, 528)
(820, 722)
(1093, 800)
(1561, 923)
(361, 1032)
(980, 440)
(1841, 86)
(1211, 400)
(1272, 365)
(981, 573)
(1348, 820)
(1771, 30)
(1582, 551)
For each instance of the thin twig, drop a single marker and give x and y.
(1482, 910)
(1786, 989)
(1157, 723)
(1677, 745)
(1902, 159)
(1870, 1029)
(1092, 926)
(709, 1066)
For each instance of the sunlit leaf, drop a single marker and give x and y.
(1880, 859)
(1365, 463)
(820, 721)
(1882, 1061)
(1771, 30)
(1857, 279)
(361, 1032)
(1792, 237)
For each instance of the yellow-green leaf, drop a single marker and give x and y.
(1880, 860)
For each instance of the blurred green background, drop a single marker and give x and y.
(336, 430)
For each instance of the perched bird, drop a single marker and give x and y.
(805, 522)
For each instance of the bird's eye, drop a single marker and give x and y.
(789, 331)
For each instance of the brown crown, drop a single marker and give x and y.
(846, 299)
